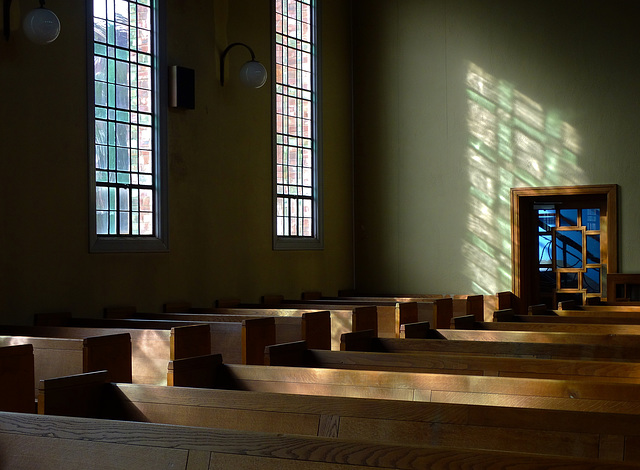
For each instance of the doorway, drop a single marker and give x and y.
(564, 243)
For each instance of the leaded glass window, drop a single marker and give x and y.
(570, 253)
(126, 119)
(296, 150)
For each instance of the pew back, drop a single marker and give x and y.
(503, 343)
(592, 435)
(30, 441)
(342, 319)
(210, 372)
(17, 378)
(297, 354)
(56, 356)
(313, 327)
(149, 350)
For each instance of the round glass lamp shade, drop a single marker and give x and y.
(41, 26)
(253, 74)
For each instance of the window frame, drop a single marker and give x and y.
(524, 260)
(289, 242)
(159, 242)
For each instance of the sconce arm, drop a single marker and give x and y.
(224, 54)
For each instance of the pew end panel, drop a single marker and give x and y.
(17, 378)
(442, 313)
(316, 329)
(365, 318)
(200, 371)
(464, 322)
(257, 333)
(358, 341)
(502, 315)
(295, 354)
(189, 341)
(79, 395)
(416, 330)
(475, 306)
(109, 352)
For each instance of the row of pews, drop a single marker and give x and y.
(412, 394)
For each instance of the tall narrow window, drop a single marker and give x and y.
(297, 154)
(128, 178)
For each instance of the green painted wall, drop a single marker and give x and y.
(219, 181)
(456, 101)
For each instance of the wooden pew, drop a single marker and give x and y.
(507, 299)
(427, 305)
(552, 317)
(423, 330)
(590, 434)
(17, 380)
(298, 354)
(242, 341)
(585, 395)
(503, 321)
(503, 343)
(343, 318)
(148, 350)
(569, 308)
(29, 441)
(390, 314)
(55, 356)
(313, 327)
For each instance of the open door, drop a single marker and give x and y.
(564, 242)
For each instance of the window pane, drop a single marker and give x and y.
(546, 220)
(593, 249)
(591, 219)
(123, 80)
(294, 119)
(568, 217)
(569, 249)
(569, 280)
(544, 249)
(591, 281)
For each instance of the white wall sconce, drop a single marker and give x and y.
(252, 73)
(40, 25)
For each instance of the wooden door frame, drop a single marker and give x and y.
(522, 201)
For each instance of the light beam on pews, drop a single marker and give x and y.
(513, 142)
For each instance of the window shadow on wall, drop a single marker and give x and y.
(513, 142)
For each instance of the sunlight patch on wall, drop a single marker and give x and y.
(513, 142)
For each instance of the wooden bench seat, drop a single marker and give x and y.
(427, 305)
(149, 350)
(613, 311)
(424, 330)
(298, 354)
(17, 378)
(580, 434)
(499, 323)
(210, 372)
(29, 441)
(390, 314)
(313, 327)
(57, 356)
(580, 319)
(242, 341)
(343, 318)
(503, 343)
